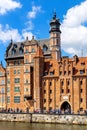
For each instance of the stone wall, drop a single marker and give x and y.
(60, 119)
(45, 118)
(15, 117)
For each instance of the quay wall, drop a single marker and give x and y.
(45, 118)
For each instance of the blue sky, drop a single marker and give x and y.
(21, 18)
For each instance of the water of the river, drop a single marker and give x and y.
(27, 126)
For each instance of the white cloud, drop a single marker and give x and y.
(35, 9)
(7, 5)
(27, 34)
(29, 25)
(74, 30)
(6, 33)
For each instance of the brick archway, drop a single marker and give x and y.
(65, 107)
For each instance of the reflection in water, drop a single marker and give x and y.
(34, 126)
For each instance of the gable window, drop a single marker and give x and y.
(81, 71)
(52, 73)
(46, 73)
(45, 48)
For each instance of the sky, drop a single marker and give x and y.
(22, 18)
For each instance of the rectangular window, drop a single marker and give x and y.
(50, 91)
(17, 80)
(50, 100)
(60, 72)
(8, 89)
(8, 81)
(44, 100)
(15, 63)
(44, 91)
(25, 89)
(18, 71)
(8, 99)
(0, 73)
(16, 99)
(3, 99)
(14, 71)
(16, 89)
(3, 82)
(81, 100)
(26, 70)
(2, 90)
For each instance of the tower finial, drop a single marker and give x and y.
(54, 15)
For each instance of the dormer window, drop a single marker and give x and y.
(13, 51)
(45, 48)
(15, 46)
(22, 45)
(21, 51)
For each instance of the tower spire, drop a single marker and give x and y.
(55, 32)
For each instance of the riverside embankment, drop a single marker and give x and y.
(44, 118)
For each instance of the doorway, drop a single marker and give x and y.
(65, 107)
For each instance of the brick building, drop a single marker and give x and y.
(2, 87)
(39, 78)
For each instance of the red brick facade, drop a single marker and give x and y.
(39, 78)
